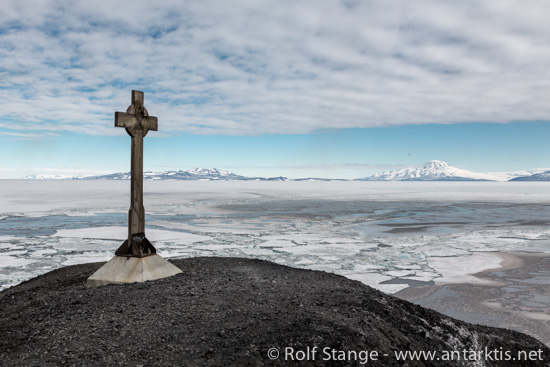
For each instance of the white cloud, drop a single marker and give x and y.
(27, 135)
(246, 67)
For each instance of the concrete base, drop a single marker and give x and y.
(125, 269)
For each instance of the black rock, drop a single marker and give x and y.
(233, 312)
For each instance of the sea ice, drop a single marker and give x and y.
(13, 261)
(460, 269)
(369, 231)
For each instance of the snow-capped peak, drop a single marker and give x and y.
(432, 171)
(435, 164)
(207, 171)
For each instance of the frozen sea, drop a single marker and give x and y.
(389, 235)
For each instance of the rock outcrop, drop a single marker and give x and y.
(238, 312)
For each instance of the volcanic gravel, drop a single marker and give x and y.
(233, 312)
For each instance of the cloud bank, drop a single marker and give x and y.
(268, 67)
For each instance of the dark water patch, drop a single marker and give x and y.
(49, 225)
(392, 223)
(473, 317)
(442, 293)
(177, 218)
(408, 229)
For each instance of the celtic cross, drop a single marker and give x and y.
(137, 122)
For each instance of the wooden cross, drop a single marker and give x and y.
(137, 122)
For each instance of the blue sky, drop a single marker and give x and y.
(292, 88)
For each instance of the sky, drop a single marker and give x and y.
(336, 89)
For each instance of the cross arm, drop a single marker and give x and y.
(150, 123)
(123, 119)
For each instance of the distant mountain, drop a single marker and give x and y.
(47, 177)
(431, 171)
(542, 176)
(508, 176)
(319, 179)
(204, 174)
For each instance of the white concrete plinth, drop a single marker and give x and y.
(126, 269)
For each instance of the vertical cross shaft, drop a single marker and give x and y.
(137, 122)
(136, 213)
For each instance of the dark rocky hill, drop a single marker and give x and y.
(232, 312)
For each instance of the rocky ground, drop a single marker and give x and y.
(237, 312)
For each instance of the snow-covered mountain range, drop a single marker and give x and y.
(206, 174)
(509, 176)
(441, 171)
(431, 171)
(48, 177)
(541, 176)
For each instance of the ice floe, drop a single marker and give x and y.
(378, 233)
